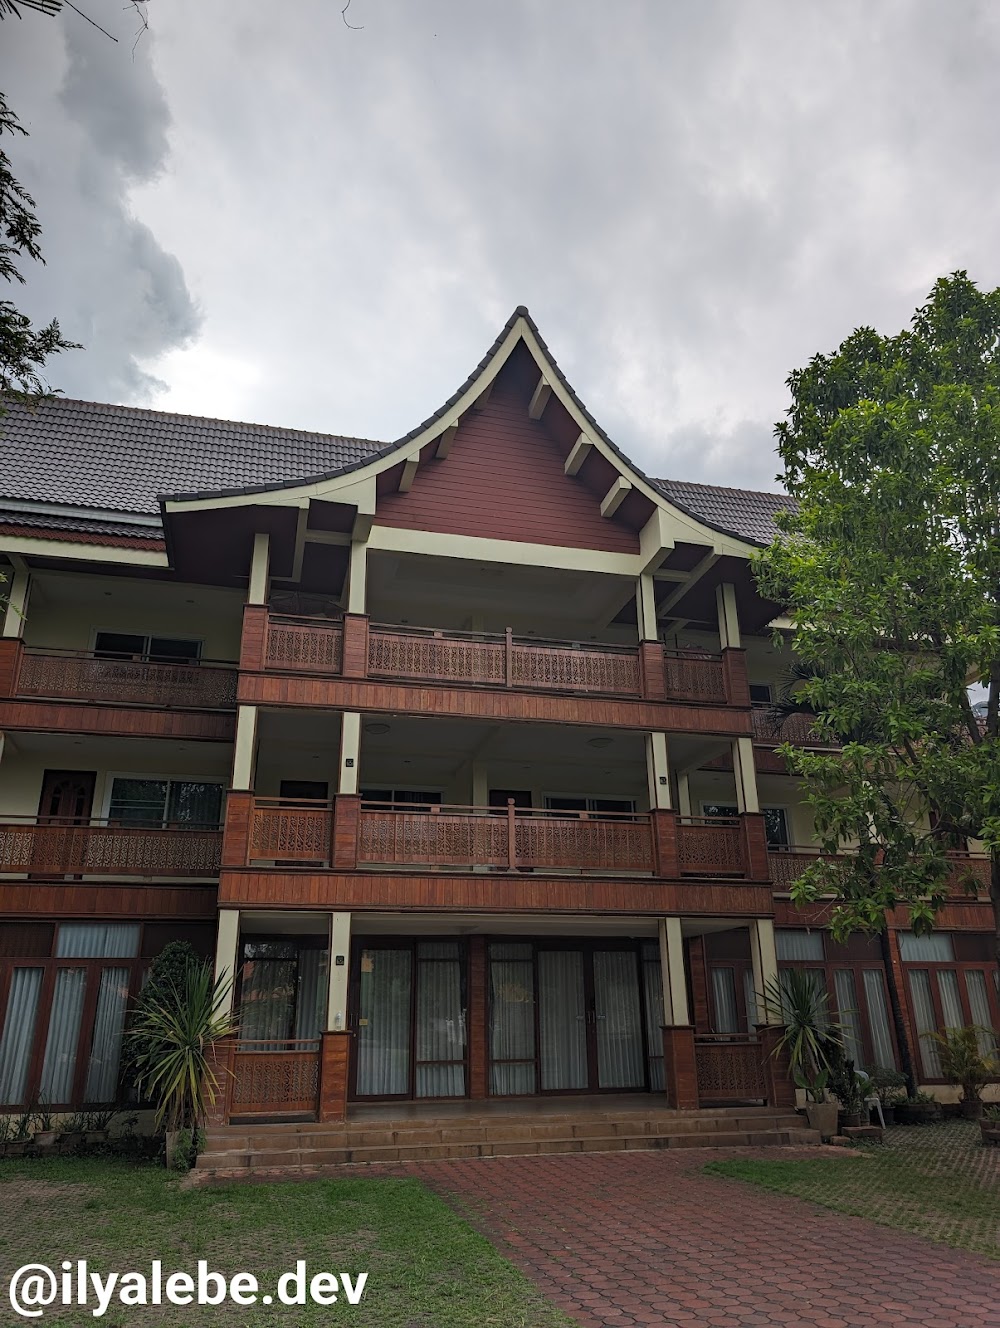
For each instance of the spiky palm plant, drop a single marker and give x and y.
(172, 1035)
(809, 1034)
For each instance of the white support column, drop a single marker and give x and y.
(227, 942)
(350, 751)
(745, 774)
(480, 784)
(675, 1001)
(17, 602)
(357, 577)
(645, 606)
(339, 967)
(684, 794)
(245, 747)
(259, 566)
(764, 957)
(729, 622)
(658, 771)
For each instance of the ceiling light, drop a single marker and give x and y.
(599, 742)
(376, 728)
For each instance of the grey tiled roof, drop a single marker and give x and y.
(746, 513)
(120, 458)
(83, 524)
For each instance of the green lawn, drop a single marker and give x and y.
(427, 1268)
(938, 1181)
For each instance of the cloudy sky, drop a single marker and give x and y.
(266, 215)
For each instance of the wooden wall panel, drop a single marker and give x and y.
(68, 899)
(504, 479)
(118, 721)
(484, 703)
(492, 892)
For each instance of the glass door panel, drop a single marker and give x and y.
(19, 1035)
(512, 1019)
(618, 1020)
(440, 1028)
(562, 1021)
(63, 1036)
(384, 1023)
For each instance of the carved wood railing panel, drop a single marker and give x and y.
(436, 657)
(730, 1069)
(787, 865)
(694, 676)
(290, 833)
(711, 846)
(88, 677)
(569, 669)
(312, 645)
(470, 837)
(970, 871)
(793, 728)
(275, 1079)
(100, 849)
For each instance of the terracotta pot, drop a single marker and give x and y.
(45, 1138)
(822, 1116)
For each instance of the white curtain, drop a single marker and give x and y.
(512, 1020)
(878, 1018)
(384, 1034)
(562, 1019)
(619, 1020)
(97, 940)
(63, 1036)
(440, 1024)
(652, 985)
(19, 1034)
(951, 1002)
(727, 1019)
(798, 944)
(849, 1015)
(979, 1004)
(109, 1021)
(923, 1008)
(934, 949)
(267, 1001)
(310, 1001)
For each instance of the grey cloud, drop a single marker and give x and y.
(98, 120)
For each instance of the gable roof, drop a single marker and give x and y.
(749, 514)
(87, 455)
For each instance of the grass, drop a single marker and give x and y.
(427, 1268)
(938, 1181)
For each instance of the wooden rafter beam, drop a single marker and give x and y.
(539, 399)
(615, 496)
(408, 474)
(484, 396)
(578, 455)
(445, 441)
(697, 572)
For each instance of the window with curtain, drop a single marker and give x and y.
(878, 1018)
(384, 1025)
(165, 802)
(440, 1022)
(59, 1064)
(620, 1060)
(936, 948)
(724, 1004)
(652, 989)
(512, 1020)
(923, 1010)
(562, 1014)
(18, 1036)
(797, 944)
(849, 1014)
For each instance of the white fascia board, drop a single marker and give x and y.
(29, 547)
(396, 539)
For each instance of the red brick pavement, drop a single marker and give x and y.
(647, 1238)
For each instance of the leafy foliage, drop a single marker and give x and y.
(809, 1035)
(24, 348)
(890, 570)
(962, 1059)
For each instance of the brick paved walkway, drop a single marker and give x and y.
(646, 1238)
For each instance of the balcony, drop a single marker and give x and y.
(83, 676)
(36, 847)
(354, 649)
(797, 729)
(788, 864)
(352, 835)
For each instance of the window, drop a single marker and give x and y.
(132, 645)
(775, 820)
(798, 945)
(410, 796)
(760, 694)
(592, 805)
(136, 800)
(952, 984)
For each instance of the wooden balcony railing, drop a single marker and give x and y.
(84, 676)
(355, 648)
(274, 1078)
(730, 1068)
(797, 729)
(408, 836)
(103, 848)
(712, 846)
(786, 865)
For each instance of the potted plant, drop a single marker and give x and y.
(809, 1038)
(921, 1109)
(99, 1125)
(45, 1128)
(989, 1123)
(847, 1087)
(964, 1062)
(171, 1033)
(889, 1086)
(72, 1132)
(20, 1134)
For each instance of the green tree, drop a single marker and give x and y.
(24, 349)
(890, 570)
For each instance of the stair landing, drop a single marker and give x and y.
(419, 1132)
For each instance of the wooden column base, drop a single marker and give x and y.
(334, 1057)
(220, 1062)
(781, 1088)
(680, 1072)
